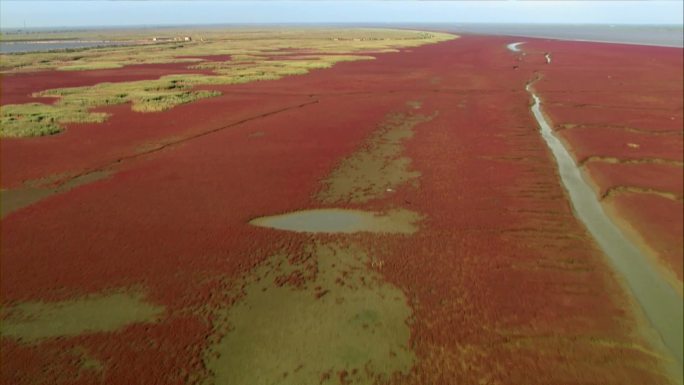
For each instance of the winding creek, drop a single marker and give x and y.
(660, 302)
(515, 47)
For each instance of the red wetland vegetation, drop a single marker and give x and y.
(18, 87)
(503, 284)
(619, 109)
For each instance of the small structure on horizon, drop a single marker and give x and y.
(175, 38)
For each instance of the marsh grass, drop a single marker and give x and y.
(163, 102)
(256, 55)
(90, 66)
(37, 119)
(242, 43)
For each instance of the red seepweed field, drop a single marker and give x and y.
(498, 284)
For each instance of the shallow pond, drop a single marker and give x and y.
(342, 221)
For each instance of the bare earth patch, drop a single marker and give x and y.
(31, 322)
(340, 321)
(378, 167)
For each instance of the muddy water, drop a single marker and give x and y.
(344, 324)
(656, 35)
(342, 221)
(661, 303)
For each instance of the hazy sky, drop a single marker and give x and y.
(13, 13)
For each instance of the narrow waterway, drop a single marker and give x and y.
(660, 302)
(54, 45)
(515, 46)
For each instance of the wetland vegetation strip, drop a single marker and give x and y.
(659, 300)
